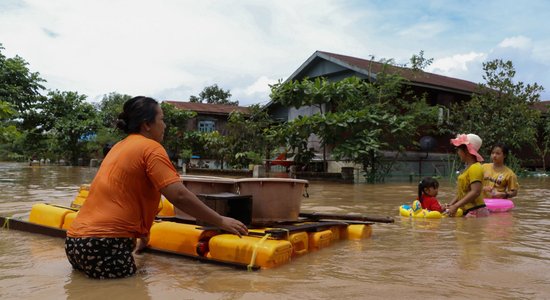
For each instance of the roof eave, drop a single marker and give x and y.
(441, 88)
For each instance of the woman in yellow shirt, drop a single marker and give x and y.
(499, 180)
(469, 195)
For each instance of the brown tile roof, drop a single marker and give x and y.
(542, 105)
(419, 78)
(216, 109)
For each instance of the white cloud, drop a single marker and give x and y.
(464, 66)
(529, 67)
(260, 86)
(520, 42)
(457, 62)
(423, 30)
(257, 92)
(518, 49)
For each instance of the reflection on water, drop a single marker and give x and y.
(503, 256)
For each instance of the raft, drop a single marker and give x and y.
(263, 248)
(416, 211)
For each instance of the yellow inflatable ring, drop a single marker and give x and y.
(409, 211)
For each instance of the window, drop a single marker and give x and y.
(207, 126)
(443, 115)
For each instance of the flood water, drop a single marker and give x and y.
(504, 256)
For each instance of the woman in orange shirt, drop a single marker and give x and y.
(124, 197)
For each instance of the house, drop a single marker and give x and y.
(210, 117)
(439, 90)
(533, 160)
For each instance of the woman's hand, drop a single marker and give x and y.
(451, 210)
(233, 226)
(141, 243)
(503, 195)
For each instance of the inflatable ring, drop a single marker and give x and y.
(408, 211)
(499, 205)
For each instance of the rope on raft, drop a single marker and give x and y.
(255, 252)
(6, 224)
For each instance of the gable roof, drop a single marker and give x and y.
(542, 105)
(207, 108)
(370, 68)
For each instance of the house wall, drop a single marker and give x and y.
(409, 166)
(321, 68)
(221, 122)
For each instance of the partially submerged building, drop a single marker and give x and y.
(438, 90)
(210, 117)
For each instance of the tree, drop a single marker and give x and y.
(9, 135)
(500, 110)
(247, 142)
(107, 133)
(542, 145)
(216, 146)
(419, 62)
(317, 93)
(176, 127)
(110, 107)
(108, 110)
(193, 141)
(21, 88)
(214, 95)
(19, 101)
(6, 111)
(71, 123)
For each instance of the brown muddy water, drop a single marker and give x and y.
(504, 256)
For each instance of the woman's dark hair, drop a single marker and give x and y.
(463, 147)
(503, 147)
(425, 183)
(135, 112)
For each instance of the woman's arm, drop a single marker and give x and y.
(475, 191)
(512, 193)
(447, 205)
(183, 199)
(505, 195)
(511, 188)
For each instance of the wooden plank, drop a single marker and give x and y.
(346, 217)
(16, 224)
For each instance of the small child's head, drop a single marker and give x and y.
(427, 186)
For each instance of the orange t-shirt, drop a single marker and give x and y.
(125, 192)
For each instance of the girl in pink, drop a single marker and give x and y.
(427, 191)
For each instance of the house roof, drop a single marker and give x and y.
(542, 105)
(206, 108)
(371, 68)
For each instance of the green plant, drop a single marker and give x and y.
(186, 154)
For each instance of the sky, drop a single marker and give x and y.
(172, 49)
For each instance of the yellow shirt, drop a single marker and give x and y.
(474, 173)
(502, 181)
(125, 193)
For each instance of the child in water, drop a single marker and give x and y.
(427, 191)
